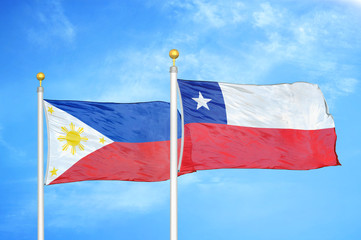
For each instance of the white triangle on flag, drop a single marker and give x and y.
(69, 140)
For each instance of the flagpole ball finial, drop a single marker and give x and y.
(40, 76)
(174, 55)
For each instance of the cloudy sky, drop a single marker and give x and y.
(118, 51)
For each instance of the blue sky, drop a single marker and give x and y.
(118, 51)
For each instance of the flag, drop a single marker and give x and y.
(107, 141)
(283, 126)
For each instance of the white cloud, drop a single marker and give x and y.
(268, 16)
(52, 23)
(338, 87)
(132, 76)
(215, 14)
(307, 42)
(348, 85)
(353, 2)
(283, 37)
(236, 196)
(87, 203)
(17, 216)
(218, 15)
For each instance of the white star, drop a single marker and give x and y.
(202, 102)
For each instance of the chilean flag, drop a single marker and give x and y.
(284, 126)
(107, 141)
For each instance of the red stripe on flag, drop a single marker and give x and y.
(143, 162)
(214, 146)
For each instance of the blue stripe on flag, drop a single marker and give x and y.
(123, 122)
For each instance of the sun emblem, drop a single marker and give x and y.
(72, 138)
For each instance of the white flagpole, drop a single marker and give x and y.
(40, 76)
(173, 148)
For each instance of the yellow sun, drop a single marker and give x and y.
(72, 138)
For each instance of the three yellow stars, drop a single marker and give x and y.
(53, 172)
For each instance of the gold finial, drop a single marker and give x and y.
(40, 76)
(173, 54)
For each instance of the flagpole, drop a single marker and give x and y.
(173, 148)
(40, 76)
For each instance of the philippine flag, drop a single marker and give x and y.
(284, 126)
(107, 141)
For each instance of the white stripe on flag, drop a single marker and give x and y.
(286, 106)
